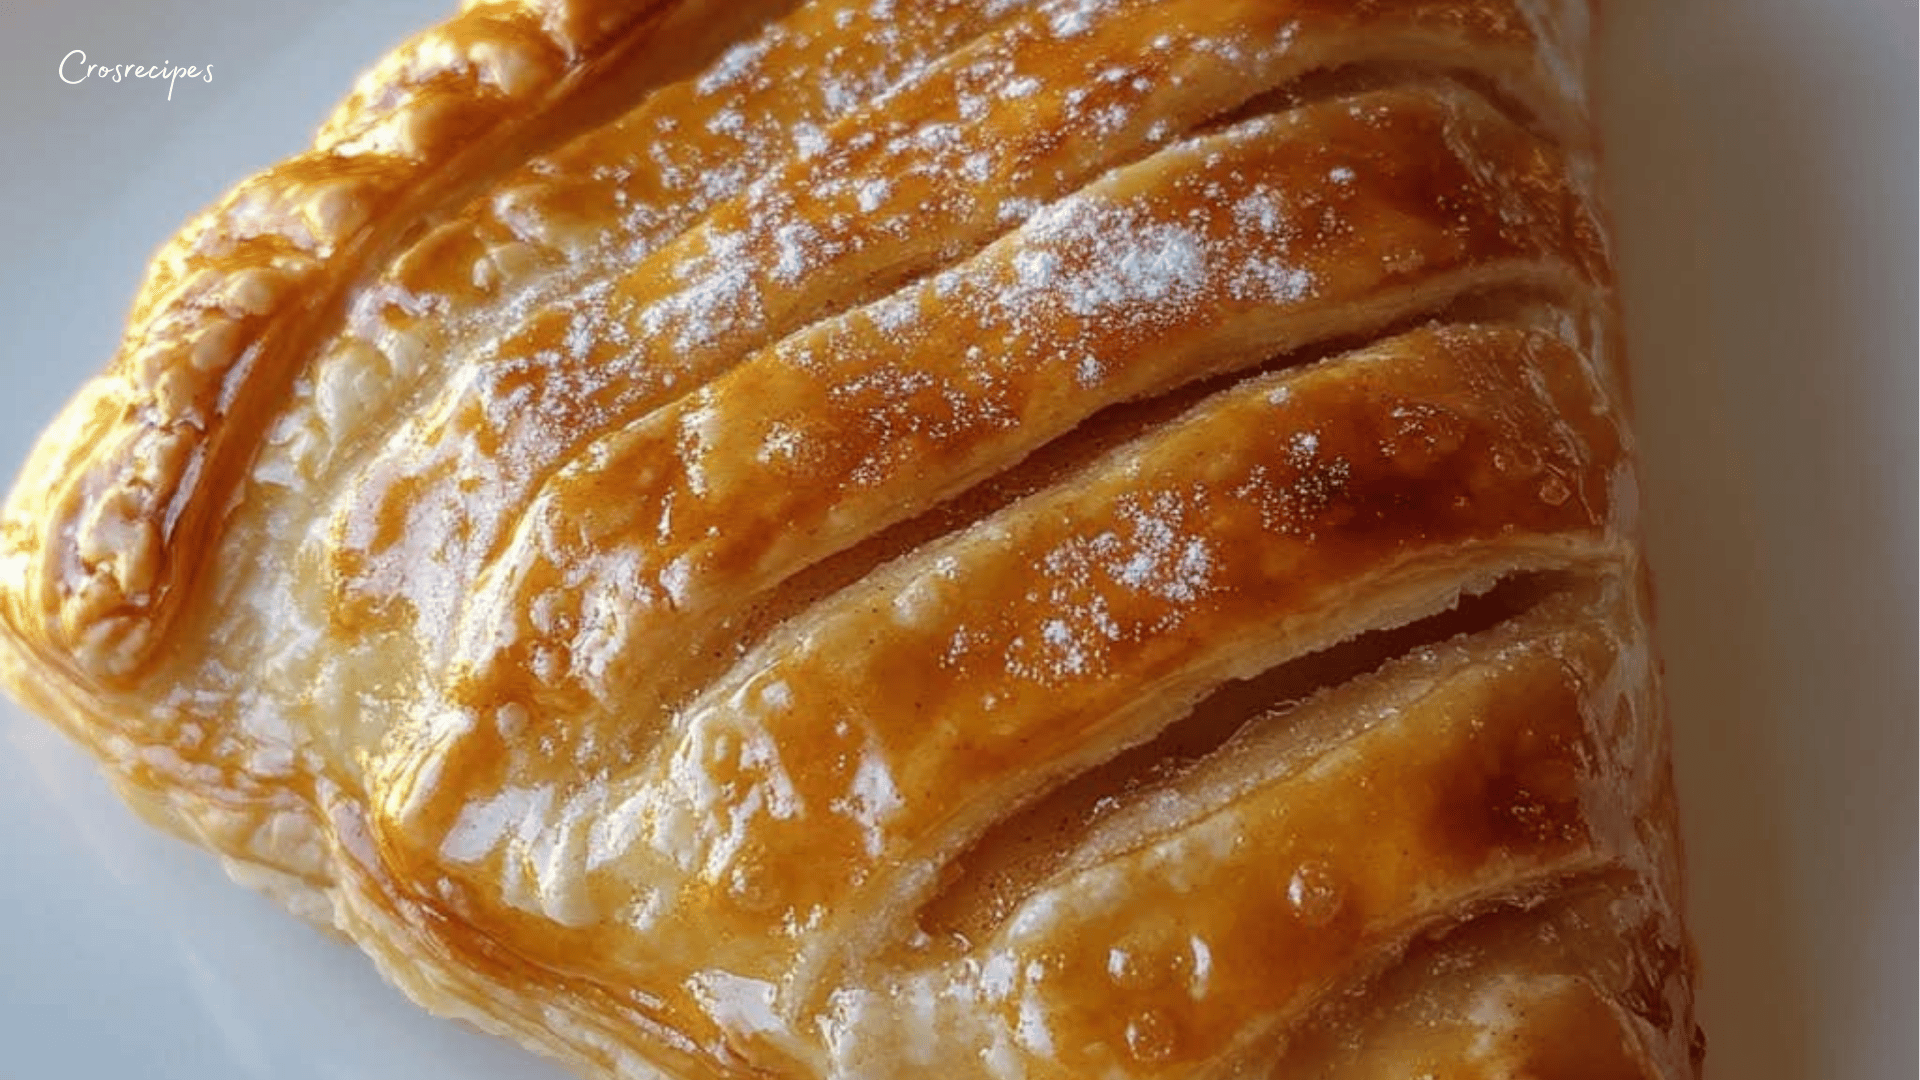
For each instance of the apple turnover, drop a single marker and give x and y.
(893, 538)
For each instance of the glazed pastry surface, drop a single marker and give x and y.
(881, 538)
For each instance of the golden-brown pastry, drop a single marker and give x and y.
(884, 538)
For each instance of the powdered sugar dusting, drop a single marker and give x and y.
(1097, 257)
(1088, 580)
(1073, 18)
(734, 66)
(721, 295)
(1092, 291)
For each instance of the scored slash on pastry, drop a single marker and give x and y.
(975, 538)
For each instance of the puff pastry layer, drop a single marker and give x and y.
(879, 538)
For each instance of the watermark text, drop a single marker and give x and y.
(75, 70)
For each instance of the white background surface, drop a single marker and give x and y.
(1762, 155)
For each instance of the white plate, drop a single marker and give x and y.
(1763, 163)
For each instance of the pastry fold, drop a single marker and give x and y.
(879, 538)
